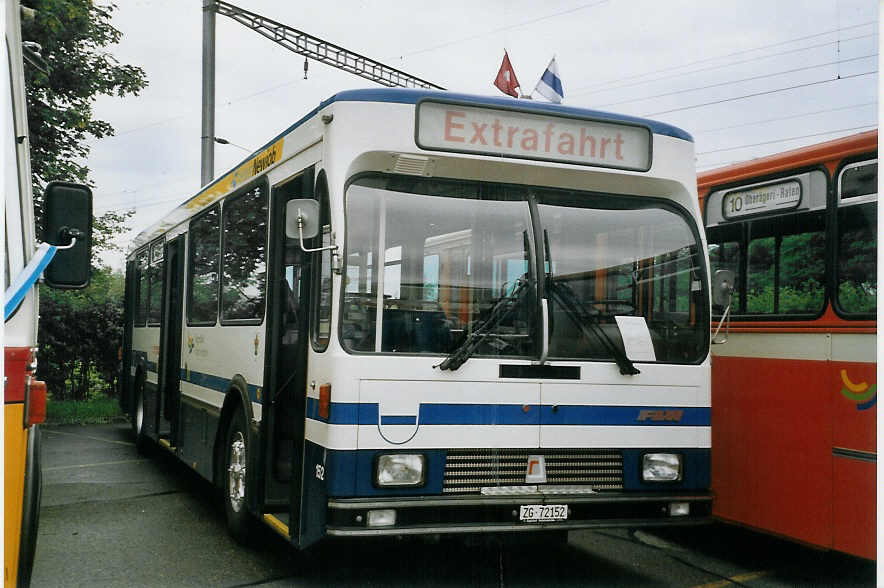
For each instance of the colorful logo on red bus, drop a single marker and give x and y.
(862, 394)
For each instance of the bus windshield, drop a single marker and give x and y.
(454, 252)
(442, 254)
(612, 256)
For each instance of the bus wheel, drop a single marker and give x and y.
(235, 481)
(142, 441)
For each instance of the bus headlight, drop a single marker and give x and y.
(400, 469)
(661, 467)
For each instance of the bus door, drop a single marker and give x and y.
(286, 363)
(126, 372)
(170, 339)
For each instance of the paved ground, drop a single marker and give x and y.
(113, 518)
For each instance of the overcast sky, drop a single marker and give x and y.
(746, 78)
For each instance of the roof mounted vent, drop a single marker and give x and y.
(413, 165)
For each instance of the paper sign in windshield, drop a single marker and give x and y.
(636, 338)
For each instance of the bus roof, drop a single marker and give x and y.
(801, 157)
(413, 96)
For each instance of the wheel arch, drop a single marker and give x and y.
(236, 398)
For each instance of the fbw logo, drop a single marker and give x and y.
(862, 394)
(656, 415)
(536, 472)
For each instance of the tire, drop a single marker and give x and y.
(33, 491)
(235, 481)
(142, 441)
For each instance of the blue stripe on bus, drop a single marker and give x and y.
(141, 357)
(626, 415)
(25, 280)
(217, 383)
(209, 381)
(352, 413)
(398, 420)
(477, 414)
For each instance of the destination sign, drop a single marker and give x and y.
(768, 198)
(527, 135)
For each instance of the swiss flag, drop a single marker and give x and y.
(506, 80)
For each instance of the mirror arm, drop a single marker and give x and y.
(68, 246)
(69, 233)
(727, 331)
(301, 239)
(336, 262)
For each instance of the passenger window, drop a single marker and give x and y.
(205, 255)
(784, 263)
(323, 306)
(155, 277)
(726, 255)
(857, 239)
(141, 283)
(245, 257)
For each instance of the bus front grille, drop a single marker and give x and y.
(467, 471)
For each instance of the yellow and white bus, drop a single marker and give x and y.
(67, 214)
(418, 312)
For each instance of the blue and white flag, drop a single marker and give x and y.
(550, 85)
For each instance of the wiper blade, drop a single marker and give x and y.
(586, 320)
(501, 309)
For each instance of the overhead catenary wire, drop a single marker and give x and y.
(754, 94)
(582, 91)
(741, 52)
(783, 140)
(781, 118)
(731, 82)
(502, 29)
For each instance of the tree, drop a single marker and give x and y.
(79, 332)
(79, 337)
(76, 68)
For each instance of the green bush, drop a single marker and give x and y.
(857, 297)
(79, 337)
(69, 412)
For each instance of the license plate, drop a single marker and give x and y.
(543, 512)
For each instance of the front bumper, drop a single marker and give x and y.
(499, 514)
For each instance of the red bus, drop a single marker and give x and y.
(794, 402)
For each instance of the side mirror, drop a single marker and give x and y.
(303, 212)
(722, 287)
(67, 215)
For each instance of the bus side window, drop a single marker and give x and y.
(155, 279)
(243, 282)
(726, 255)
(205, 256)
(142, 284)
(291, 295)
(784, 261)
(786, 265)
(857, 243)
(322, 301)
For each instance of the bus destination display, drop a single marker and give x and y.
(511, 133)
(782, 195)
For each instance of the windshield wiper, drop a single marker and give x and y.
(586, 320)
(501, 310)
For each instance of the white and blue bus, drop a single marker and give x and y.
(418, 312)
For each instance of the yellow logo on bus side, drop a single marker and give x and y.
(862, 394)
(239, 176)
